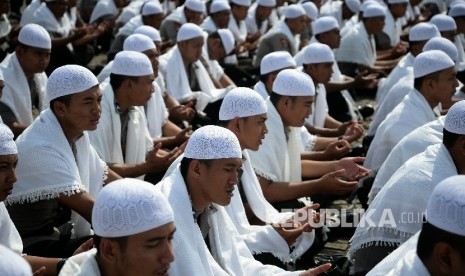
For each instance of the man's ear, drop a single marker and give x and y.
(59, 108)
(109, 250)
(442, 254)
(194, 168)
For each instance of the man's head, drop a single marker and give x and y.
(373, 18)
(295, 18)
(152, 33)
(152, 14)
(239, 9)
(326, 31)
(419, 35)
(264, 9)
(143, 44)
(243, 111)
(349, 8)
(457, 11)
(194, 10)
(442, 44)
(190, 39)
(272, 64)
(446, 26)
(318, 62)
(8, 161)
(57, 7)
(220, 12)
(33, 50)
(133, 226)
(293, 95)
(454, 129)
(311, 11)
(397, 7)
(220, 44)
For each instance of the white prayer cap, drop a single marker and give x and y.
(69, 79)
(294, 11)
(7, 143)
(398, 1)
(131, 63)
(189, 31)
(443, 22)
(292, 82)
(457, 9)
(431, 61)
(227, 38)
(324, 24)
(447, 204)
(443, 44)
(219, 5)
(455, 118)
(317, 53)
(353, 5)
(245, 3)
(267, 3)
(195, 5)
(12, 264)
(374, 11)
(241, 102)
(212, 142)
(423, 31)
(129, 206)
(276, 61)
(149, 31)
(151, 7)
(311, 10)
(35, 36)
(138, 43)
(366, 3)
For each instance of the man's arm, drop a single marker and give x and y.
(81, 203)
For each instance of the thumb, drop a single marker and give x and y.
(338, 173)
(320, 269)
(190, 104)
(157, 147)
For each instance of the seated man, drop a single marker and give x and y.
(220, 12)
(191, 12)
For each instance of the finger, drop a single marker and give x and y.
(40, 271)
(320, 269)
(157, 147)
(88, 244)
(189, 104)
(358, 159)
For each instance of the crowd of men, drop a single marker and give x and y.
(214, 132)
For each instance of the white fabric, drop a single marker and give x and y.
(227, 39)
(149, 31)
(45, 18)
(261, 89)
(317, 53)
(331, 9)
(267, 3)
(213, 142)
(7, 144)
(283, 28)
(293, 82)
(320, 108)
(455, 122)
(131, 63)
(311, 10)
(357, 47)
(443, 44)
(217, 6)
(105, 73)
(276, 61)
(353, 5)
(5, 29)
(239, 31)
(103, 8)
(189, 31)
(431, 61)
(69, 79)
(27, 15)
(138, 43)
(457, 10)
(324, 24)
(251, 23)
(16, 93)
(407, 192)
(374, 11)
(131, 26)
(245, 3)
(9, 235)
(423, 31)
(195, 5)
(151, 7)
(156, 113)
(461, 53)
(34, 35)
(83, 264)
(177, 15)
(241, 102)
(128, 12)
(294, 11)
(209, 25)
(443, 22)
(13, 264)
(349, 25)
(392, 28)
(49, 169)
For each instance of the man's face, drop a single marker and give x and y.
(332, 38)
(263, 12)
(33, 60)
(445, 85)
(449, 35)
(58, 8)
(375, 24)
(7, 174)
(297, 109)
(121, 3)
(191, 49)
(296, 25)
(141, 90)
(221, 19)
(193, 16)
(154, 20)
(153, 55)
(216, 49)
(239, 12)
(84, 110)
(147, 253)
(460, 22)
(320, 72)
(252, 131)
(398, 10)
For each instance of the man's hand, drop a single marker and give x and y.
(337, 149)
(290, 235)
(183, 112)
(183, 135)
(86, 246)
(352, 132)
(317, 270)
(352, 170)
(365, 81)
(159, 160)
(333, 184)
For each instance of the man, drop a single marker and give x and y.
(257, 21)
(107, 9)
(24, 92)
(191, 12)
(341, 11)
(220, 12)
(457, 12)
(59, 170)
(406, 194)
(134, 229)
(392, 30)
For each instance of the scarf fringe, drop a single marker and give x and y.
(46, 194)
(264, 175)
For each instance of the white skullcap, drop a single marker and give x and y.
(317, 53)
(366, 3)
(69, 79)
(227, 38)
(443, 22)
(455, 118)
(294, 11)
(267, 3)
(195, 5)
(189, 31)
(7, 143)
(129, 206)
(292, 82)
(131, 63)
(245, 3)
(457, 9)
(310, 9)
(151, 7)
(324, 24)
(374, 11)
(35, 36)
(353, 5)
(138, 43)
(219, 5)
(12, 264)
(149, 31)
(443, 44)
(398, 1)
(276, 61)
(446, 205)
(241, 102)
(431, 61)
(212, 142)
(423, 31)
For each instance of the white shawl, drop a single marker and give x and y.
(177, 15)
(406, 194)
(16, 93)
(9, 235)
(239, 31)
(460, 51)
(45, 18)
(48, 168)
(319, 107)
(103, 8)
(357, 47)
(261, 89)
(128, 12)
(334, 9)
(105, 73)
(129, 28)
(83, 264)
(349, 25)
(392, 28)
(156, 113)
(28, 14)
(251, 23)
(398, 72)
(209, 25)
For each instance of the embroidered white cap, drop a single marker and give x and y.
(7, 143)
(131, 63)
(245, 3)
(443, 22)
(431, 61)
(317, 53)
(276, 61)
(292, 82)
(35, 36)
(447, 204)
(241, 102)
(267, 3)
(324, 24)
(69, 79)
(149, 31)
(423, 31)
(398, 1)
(374, 11)
(129, 206)
(189, 31)
(457, 9)
(442, 44)
(219, 5)
(455, 118)
(353, 5)
(294, 11)
(11, 263)
(151, 7)
(212, 142)
(195, 5)
(138, 43)
(310, 9)
(227, 38)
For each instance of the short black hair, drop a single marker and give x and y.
(418, 82)
(121, 241)
(185, 162)
(225, 123)
(449, 138)
(275, 97)
(64, 99)
(430, 235)
(116, 80)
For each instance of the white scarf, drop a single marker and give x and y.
(239, 31)
(460, 51)
(357, 47)
(45, 18)
(209, 25)
(5, 26)
(349, 25)
(392, 28)
(107, 137)
(251, 23)
(83, 264)
(334, 9)
(103, 8)
(407, 192)
(261, 89)
(398, 72)
(28, 14)
(105, 73)
(16, 93)
(9, 235)
(128, 12)
(281, 27)
(156, 113)
(129, 28)
(278, 158)
(319, 107)
(177, 15)
(49, 169)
